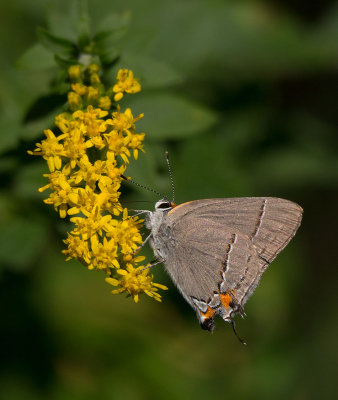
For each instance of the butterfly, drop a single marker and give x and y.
(216, 250)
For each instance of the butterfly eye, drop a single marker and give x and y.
(164, 204)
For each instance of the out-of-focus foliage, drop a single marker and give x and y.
(243, 95)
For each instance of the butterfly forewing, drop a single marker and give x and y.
(269, 222)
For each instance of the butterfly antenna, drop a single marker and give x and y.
(141, 186)
(170, 175)
(232, 322)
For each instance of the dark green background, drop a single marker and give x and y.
(244, 96)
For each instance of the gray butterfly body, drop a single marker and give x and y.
(216, 250)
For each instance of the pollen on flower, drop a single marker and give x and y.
(87, 154)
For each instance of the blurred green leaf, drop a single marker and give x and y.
(234, 41)
(152, 73)
(34, 129)
(55, 44)
(291, 168)
(83, 23)
(65, 62)
(62, 19)
(111, 29)
(308, 157)
(21, 239)
(36, 57)
(169, 116)
(109, 32)
(9, 133)
(209, 166)
(109, 57)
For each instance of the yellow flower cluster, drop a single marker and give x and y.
(86, 158)
(135, 281)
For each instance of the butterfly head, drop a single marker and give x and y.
(164, 205)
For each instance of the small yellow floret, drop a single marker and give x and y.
(74, 101)
(126, 83)
(74, 73)
(105, 102)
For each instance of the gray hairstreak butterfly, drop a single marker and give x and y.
(216, 250)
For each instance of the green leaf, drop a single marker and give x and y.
(35, 58)
(83, 23)
(61, 19)
(115, 22)
(151, 72)
(111, 30)
(109, 57)
(34, 129)
(169, 116)
(55, 44)
(64, 62)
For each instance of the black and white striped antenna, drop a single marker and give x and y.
(170, 175)
(142, 186)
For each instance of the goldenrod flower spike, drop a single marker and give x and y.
(86, 160)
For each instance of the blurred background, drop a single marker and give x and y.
(244, 96)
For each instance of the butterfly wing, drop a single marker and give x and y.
(269, 222)
(219, 249)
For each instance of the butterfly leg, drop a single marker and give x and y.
(140, 212)
(153, 263)
(141, 245)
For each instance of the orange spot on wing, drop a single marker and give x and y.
(209, 313)
(226, 299)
